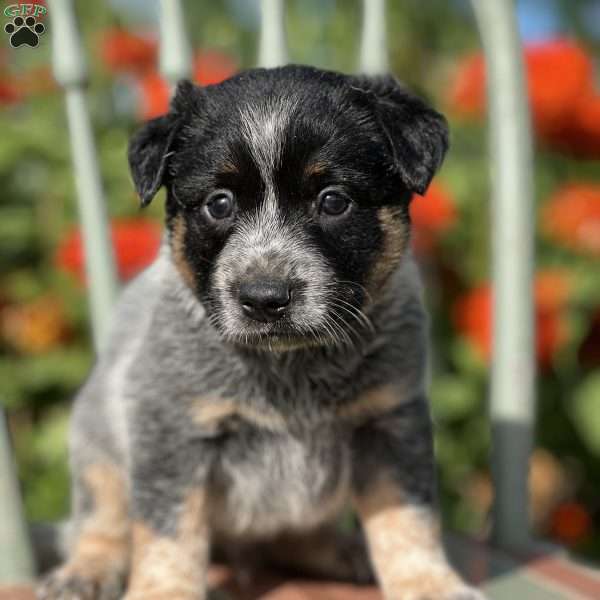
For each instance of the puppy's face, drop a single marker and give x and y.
(287, 196)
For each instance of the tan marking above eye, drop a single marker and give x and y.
(314, 169)
(229, 167)
(212, 412)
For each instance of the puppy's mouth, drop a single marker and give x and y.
(278, 343)
(331, 330)
(275, 338)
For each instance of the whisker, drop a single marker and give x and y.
(346, 326)
(361, 287)
(339, 328)
(355, 312)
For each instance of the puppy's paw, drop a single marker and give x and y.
(68, 583)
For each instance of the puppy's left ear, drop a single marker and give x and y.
(148, 154)
(417, 134)
(151, 146)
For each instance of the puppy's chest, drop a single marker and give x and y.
(265, 481)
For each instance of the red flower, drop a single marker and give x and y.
(467, 92)
(572, 217)
(124, 52)
(154, 96)
(564, 104)
(10, 92)
(473, 315)
(579, 132)
(552, 289)
(431, 214)
(212, 67)
(558, 74)
(571, 523)
(135, 244)
(209, 67)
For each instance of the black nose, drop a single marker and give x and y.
(265, 299)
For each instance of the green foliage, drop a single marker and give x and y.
(43, 460)
(585, 412)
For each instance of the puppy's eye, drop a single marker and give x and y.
(333, 203)
(220, 204)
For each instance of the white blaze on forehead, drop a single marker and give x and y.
(264, 128)
(263, 241)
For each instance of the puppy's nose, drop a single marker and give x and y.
(265, 299)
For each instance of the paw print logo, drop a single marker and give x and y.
(24, 32)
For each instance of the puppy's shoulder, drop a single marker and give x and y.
(138, 303)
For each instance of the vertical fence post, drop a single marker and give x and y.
(70, 72)
(373, 44)
(16, 558)
(272, 49)
(512, 403)
(175, 50)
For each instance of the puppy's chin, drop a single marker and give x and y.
(276, 342)
(271, 337)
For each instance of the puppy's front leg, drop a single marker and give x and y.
(394, 497)
(170, 539)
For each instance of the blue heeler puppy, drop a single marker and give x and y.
(268, 369)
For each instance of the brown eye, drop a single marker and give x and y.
(333, 202)
(220, 204)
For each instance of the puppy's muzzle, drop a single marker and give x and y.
(265, 300)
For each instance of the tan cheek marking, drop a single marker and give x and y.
(102, 545)
(210, 413)
(314, 169)
(395, 240)
(405, 544)
(372, 403)
(178, 250)
(165, 567)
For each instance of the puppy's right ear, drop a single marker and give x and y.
(151, 146)
(417, 135)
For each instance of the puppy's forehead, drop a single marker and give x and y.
(264, 126)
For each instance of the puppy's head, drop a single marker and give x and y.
(287, 196)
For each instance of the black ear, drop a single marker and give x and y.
(417, 134)
(148, 154)
(151, 146)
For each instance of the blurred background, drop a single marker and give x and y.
(45, 342)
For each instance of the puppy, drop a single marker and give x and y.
(269, 367)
